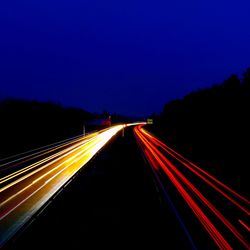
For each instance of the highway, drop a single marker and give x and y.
(212, 215)
(28, 181)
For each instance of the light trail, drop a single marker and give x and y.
(34, 151)
(244, 225)
(158, 155)
(169, 201)
(62, 155)
(31, 180)
(39, 153)
(196, 170)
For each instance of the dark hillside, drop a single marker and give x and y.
(211, 126)
(29, 124)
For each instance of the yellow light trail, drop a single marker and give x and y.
(28, 185)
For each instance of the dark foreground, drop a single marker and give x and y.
(112, 203)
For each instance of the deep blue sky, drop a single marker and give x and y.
(128, 56)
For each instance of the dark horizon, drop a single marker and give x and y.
(129, 58)
(104, 111)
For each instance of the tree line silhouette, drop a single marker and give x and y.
(29, 124)
(26, 125)
(212, 127)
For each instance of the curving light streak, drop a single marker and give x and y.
(194, 168)
(25, 189)
(37, 153)
(154, 151)
(17, 157)
(62, 153)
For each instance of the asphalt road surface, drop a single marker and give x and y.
(111, 204)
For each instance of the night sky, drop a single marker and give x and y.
(128, 56)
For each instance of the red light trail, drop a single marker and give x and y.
(159, 154)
